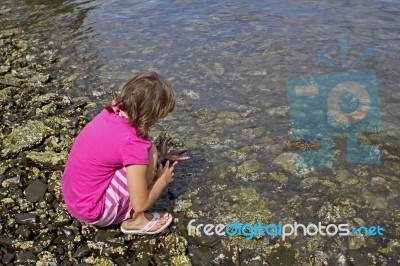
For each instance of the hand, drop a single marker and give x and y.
(166, 172)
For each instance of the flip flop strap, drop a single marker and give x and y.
(154, 220)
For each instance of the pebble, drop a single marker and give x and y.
(62, 219)
(282, 256)
(26, 218)
(14, 181)
(103, 235)
(120, 261)
(23, 232)
(200, 255)
(5, 242)
(8, 257)
(26, 257)
(81, 252)
(35, 190)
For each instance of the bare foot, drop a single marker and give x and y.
(142, 219)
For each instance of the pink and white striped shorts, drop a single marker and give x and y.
(117, 206)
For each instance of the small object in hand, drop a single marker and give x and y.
(308, 144)
(163, 154)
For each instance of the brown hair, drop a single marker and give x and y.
(145, 98)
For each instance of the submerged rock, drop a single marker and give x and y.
(248, 170)
(81, 252)
(288, 161)
(375, 201)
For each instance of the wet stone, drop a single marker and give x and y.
(4, 69)
(11, 182)
(205, 241)
(67, 232)
(63, 219)
(36, 190)
(358, 258)
(60, 250)
(5, 242)
(8, 258)
(23, 232)
(318, 258)
(24, 205)
(26, 218)
(60, 239)
(81, 252)
(247, 257)
(200, 255)
(287, 161)
(40, 79)
(103, 235)
(160, 259)
(26, 257)
(340, 260)
(115, 251)
(282, 256)
(3, 193)
(120, 261)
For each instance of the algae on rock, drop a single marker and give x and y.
(25, 136)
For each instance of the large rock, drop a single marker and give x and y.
(35, 191)
(56, 158)
(25, 136)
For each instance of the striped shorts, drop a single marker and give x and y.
(117, 207)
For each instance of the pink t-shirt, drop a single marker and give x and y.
(104, 145)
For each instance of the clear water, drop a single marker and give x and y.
(229, 63)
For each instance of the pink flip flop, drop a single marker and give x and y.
(147, 227)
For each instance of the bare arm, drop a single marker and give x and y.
(141, 196)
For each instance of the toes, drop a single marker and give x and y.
(163, 219)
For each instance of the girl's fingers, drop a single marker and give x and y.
(166, 166)
(173, 165)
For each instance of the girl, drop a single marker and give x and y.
(111, 173)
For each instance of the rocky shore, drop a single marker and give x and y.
(39, 123)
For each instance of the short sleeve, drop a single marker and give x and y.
(136, 151)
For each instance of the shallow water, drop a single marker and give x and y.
(229, 63)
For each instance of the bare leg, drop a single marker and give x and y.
(139, 219)
(152, 166)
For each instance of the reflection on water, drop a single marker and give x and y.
(229, 63)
